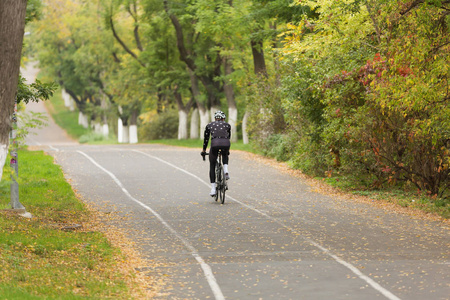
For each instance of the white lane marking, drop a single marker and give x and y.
(349, 266)
(55, 149)
(39, 144)
(205, 267)
(34, 140)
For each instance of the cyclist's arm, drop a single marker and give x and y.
(206, 138)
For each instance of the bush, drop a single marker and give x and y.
(91, 137)
(159, 126)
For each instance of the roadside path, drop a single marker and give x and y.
(274, 238)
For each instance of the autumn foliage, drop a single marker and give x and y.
(380, 71)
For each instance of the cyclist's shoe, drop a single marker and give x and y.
(227, 176)
(213, 192)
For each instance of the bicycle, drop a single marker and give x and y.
(221, 182)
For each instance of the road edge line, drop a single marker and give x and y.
(215, 288)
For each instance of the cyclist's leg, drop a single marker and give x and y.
(212, 169)
(225, 151)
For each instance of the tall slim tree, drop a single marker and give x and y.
(12, 26)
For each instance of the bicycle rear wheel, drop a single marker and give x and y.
(223, 187)
(219, 171)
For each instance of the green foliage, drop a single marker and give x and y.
(34, 10)
(34, 92)
(373, 90)
(28, 120)
(159, 126)
(278, 146)
(359, 88)
(266, 115)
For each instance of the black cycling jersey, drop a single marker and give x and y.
(220, 132)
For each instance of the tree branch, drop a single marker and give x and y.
(116, 36)
(184, 54)
(133, 13)
(375, 24)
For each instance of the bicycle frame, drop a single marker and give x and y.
(221, 183)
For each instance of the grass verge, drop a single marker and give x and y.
(64, 117)
(404, 198)
(50, 256)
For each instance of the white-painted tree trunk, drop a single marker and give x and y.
(244, 128)
(133, 138)
(97, 128)
(3, 155)
(83, 120)
(105, 130)
(125, 134)
(195, 120)
(232, 120)
(182, 125)
(119, 130)
(68, 101)
(205, 118)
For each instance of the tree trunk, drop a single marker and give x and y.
(122, 131)
(105, 106)
(195, 123)
(12, 25)
(205, 118)
(125, 134)
(232, 120)
(68, 101)
(133, 137)
(182, 124)
(119, 130)
(244, 128)
(83, 120)
(259, 61)
(201, 108)
(229, 94)
(211, 85)
(105, 129)
(183, 112)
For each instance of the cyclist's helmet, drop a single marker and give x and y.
(219, 115)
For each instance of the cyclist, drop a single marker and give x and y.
(220, 133)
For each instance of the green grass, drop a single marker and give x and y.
(38, 260)
(406, 197)
(64, 117)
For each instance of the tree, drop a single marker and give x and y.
(200, 54)
(12, 26)
(379, 70)
(74, 50)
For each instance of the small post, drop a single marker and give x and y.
(15, 204)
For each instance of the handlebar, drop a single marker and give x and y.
(203, 155)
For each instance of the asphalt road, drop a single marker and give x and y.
(274, 238)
